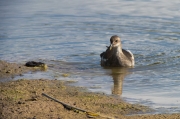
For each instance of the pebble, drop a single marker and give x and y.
(9, 71)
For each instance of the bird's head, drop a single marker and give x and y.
(115, 42)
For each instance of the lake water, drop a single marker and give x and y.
(70, 35)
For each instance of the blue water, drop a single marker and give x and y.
(69, 36)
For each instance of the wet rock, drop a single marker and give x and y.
(36, 64)
(65, 75)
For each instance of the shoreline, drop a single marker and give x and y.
(23, 99)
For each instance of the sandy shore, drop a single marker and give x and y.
(23, 99)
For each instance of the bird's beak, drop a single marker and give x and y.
(110, 47)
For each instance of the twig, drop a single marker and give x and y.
(69, 107)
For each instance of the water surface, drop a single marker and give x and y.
(69, 36)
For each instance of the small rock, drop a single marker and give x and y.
(65, 75)
(20, 102)
(34, 117)
(9, 71)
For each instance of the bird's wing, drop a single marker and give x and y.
(128, 54)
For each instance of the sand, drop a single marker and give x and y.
(23, 99)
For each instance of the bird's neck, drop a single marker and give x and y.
(118, 50)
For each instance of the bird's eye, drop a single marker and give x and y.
(116, 41)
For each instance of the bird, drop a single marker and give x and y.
(115, 56)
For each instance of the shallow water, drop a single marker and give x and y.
(69, 36)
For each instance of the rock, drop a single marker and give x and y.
(41, 65)
(9, 71)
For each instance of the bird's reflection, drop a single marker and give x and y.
(118, 75)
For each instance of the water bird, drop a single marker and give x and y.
(115, 56)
